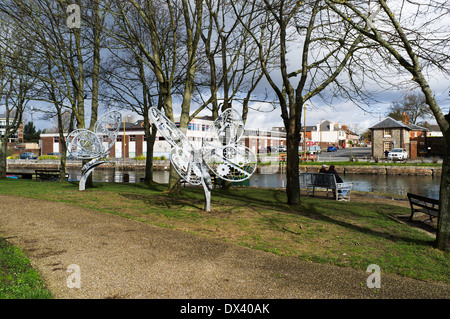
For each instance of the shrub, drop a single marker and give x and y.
(48, 157)
(140, 158)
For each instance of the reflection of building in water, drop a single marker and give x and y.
(136, 144)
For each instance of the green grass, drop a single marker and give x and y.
(348, 234)
(18, 280)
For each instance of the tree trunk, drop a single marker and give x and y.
(292, 175)
(63, 162)
(174, 179)
(443, 227)
(3, 148)
(150, 135)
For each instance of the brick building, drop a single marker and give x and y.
(136, 144)
(389, 134)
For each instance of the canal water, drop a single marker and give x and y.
(396, 184)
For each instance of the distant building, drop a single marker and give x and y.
(261, 139)
(352, 139)
(389, 134)
(17, 137)
(433, 130)
(328, 133)
(136, 144)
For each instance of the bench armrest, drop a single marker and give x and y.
(344, 186)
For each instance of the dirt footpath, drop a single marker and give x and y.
(122, 258)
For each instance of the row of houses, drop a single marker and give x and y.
(131, 140)
(387, 134)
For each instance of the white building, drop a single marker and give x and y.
(328, 133)
(18, 135)
(136, 144)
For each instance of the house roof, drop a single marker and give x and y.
(324, 126)
(389, 122)
(415, 127)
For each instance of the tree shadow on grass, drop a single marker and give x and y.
(267, 198)
(309, 210)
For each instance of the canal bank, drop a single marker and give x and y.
(379, 169)
(365, 178)
(164, 165)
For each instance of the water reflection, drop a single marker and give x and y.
(396, 184)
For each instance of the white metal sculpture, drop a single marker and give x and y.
(220, 151)
(85, 144)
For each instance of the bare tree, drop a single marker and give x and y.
(65, 51)
(174, 29)
(412, 38)
(129, 84)
(326, 48)
(231, 71)
(16, 56)
(413, 105)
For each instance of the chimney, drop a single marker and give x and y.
(404, 118)
(407, 120)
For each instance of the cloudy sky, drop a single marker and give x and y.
(341, 111)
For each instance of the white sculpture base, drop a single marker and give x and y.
(87, 169)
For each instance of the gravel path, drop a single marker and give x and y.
(122, 258)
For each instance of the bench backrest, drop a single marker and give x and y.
(318, 180)
(423, 199)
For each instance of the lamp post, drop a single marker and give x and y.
(304, 130)
(123, 142)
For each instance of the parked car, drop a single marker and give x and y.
(28, 155)
(282, 148)
(331, 149)
(398, 154)
(268, 150)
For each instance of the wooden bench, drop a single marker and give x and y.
(341, 191)
(48, 174)
(425, 205)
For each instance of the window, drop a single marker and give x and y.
(387, 132)
(386, 146)
(132, 138)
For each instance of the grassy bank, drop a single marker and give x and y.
(18, 280)
(348, 234)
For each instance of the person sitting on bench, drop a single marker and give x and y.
(324, 169)
(332, 170)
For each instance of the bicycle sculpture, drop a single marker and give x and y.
(85, 144)
(220, 151)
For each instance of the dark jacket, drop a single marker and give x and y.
(336, 175)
